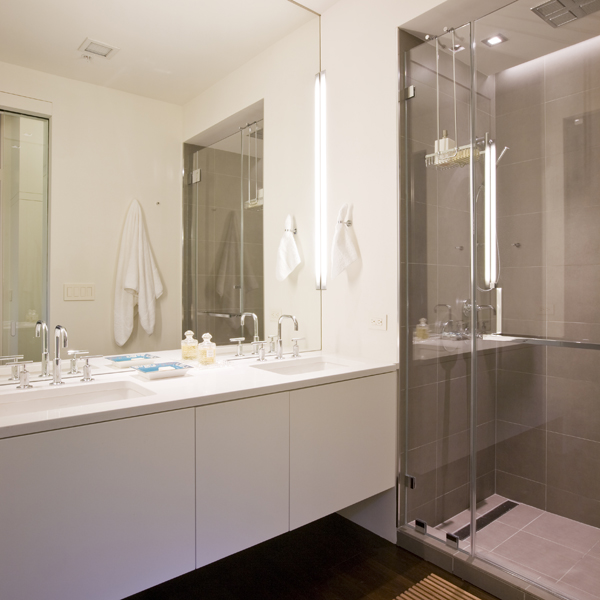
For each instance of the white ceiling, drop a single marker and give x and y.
(170, 51)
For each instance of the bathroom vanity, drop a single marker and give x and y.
(118, 487)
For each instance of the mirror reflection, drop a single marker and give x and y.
(24, 218)
(130, 128)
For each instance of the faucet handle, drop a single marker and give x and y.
(239, 343)
(295, 347)
(272, 339)
(259, 348)
(87, 368)
(14, 371)
(75, 355)
(23, 375)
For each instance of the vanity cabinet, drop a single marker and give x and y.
(105, 510)
(242, 468)
(342, 445)
(97, 511)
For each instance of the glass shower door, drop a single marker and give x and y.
(437, 197)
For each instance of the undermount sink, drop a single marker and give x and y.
(61, 400)
(291, 366)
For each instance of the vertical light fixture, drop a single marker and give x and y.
(321, 181)
(491, 253)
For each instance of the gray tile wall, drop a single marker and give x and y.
(548, 413)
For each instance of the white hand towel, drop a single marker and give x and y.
(288, 257)
(344, 249)
(138, 282)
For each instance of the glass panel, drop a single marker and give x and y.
(24, 213)
(539, 445)
(223, 235)
(438, 264)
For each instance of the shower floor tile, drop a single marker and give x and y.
(539, 554)
(555, 552)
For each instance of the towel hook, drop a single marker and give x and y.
(346, 223)
(294, 231)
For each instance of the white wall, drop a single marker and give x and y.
(283, 76)
(107, 147)
(360, 56)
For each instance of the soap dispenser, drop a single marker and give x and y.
(207, 350)
(189, 347)
(422, 330)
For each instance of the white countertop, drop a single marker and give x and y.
(228, 380)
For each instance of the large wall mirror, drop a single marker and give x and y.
(202, 113)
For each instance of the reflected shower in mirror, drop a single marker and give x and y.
(223, 235)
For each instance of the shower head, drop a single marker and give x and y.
(560, 12)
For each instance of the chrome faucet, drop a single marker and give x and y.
(60, 339)
(255, 319)
(279, 339)
(41, 330)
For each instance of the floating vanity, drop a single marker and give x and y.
(114, 486)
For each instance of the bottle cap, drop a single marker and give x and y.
(206, 337)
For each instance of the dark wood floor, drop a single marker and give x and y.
(331, 559)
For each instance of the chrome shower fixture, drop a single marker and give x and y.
(560, 12)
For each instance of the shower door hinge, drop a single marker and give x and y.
(407, 93)
(411, 482)
(195, 176)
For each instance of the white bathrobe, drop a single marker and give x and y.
(138, 282)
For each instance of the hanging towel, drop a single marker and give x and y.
(138, 282)
(344, 250)
(288, 257)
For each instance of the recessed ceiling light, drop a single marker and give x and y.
(96, 48)
(494, 40)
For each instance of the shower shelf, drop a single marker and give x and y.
(457, 157)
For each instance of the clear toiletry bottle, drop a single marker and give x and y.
(189, 347)
(207, 350)
(422, 330)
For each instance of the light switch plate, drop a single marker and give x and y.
(77, 292)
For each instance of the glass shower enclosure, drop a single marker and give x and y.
(500, 253)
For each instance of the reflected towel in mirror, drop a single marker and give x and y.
(288, 257)
(228, 265)
(344, 249)
(138, 281)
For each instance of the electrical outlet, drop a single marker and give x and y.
(274, 314)
(378, 323)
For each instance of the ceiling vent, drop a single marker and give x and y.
(95, 48)
(561, 12)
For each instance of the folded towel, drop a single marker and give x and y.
(138, 282)
(344, 250)
(288, 257)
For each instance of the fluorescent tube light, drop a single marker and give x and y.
(321, 181)
(491, 253)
